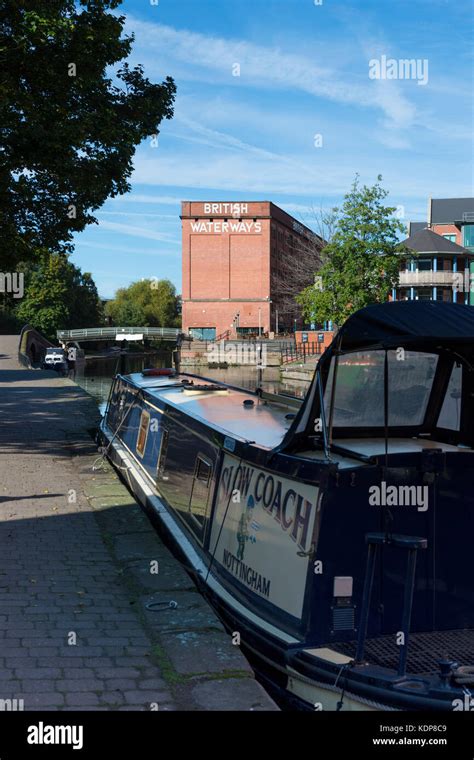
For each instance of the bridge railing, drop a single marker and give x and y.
(92, 333)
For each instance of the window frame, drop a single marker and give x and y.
(162, 454)
(342, 431)
(198, 527)
(140, 450)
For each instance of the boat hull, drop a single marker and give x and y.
(278, 542)
(291, 689)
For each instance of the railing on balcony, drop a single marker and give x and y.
(429, 278)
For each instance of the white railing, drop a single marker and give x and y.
(96, 333)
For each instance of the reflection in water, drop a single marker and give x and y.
(98, 374)
(247, 377)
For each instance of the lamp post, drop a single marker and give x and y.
(259, 321)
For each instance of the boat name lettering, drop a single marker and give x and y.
(289, 508)
(244, 573)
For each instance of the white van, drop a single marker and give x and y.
(55, 358)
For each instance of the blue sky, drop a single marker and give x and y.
(304, 71)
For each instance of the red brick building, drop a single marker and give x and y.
(242, 264)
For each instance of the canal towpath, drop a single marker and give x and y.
(80, 568)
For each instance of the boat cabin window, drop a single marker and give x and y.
(200, 493)
(143, 433)
(160, 467)
(450, 414)
(359, 392)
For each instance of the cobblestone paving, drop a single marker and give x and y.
(75, 575)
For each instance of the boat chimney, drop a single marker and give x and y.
(177, 353)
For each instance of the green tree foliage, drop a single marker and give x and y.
(146, 303)
(58, 296)
(362, 260)
(68, 132)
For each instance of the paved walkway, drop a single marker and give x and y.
(78, 561)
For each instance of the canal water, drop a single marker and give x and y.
(99, 372)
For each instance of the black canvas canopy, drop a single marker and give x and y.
(399, 323)
(445, 330)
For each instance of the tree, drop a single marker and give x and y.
(67, 132)
(58, 296)
(292, 271)
(146, 303)
(361, 262)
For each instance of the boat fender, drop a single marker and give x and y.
(464, 675)
(158, 372)
(203, 388)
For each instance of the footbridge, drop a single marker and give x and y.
(120, 333)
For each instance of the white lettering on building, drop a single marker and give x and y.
(234, 209)
(219, 228)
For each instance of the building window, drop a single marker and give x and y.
(450, 237)
(423, 294)
(247, 330)
(203, 333)
(424, 265)
(143, 433)
(468, 235)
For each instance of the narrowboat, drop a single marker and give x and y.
(333, 534)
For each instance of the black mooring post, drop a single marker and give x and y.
(122, 361)
(407, 607)
(366, 597)
(177, 354)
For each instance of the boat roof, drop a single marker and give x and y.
(264, 423)
(399, 323)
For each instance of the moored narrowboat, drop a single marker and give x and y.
(334, 534)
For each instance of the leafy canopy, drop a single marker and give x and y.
(362, 260)
(58, 296)
(68, 131)
(146, 303)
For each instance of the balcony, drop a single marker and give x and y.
(414, 279)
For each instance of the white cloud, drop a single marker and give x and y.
(269, 67)
(143, 232)
(143, 214)
(239, 173)
(166, 200)
(112, 248)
